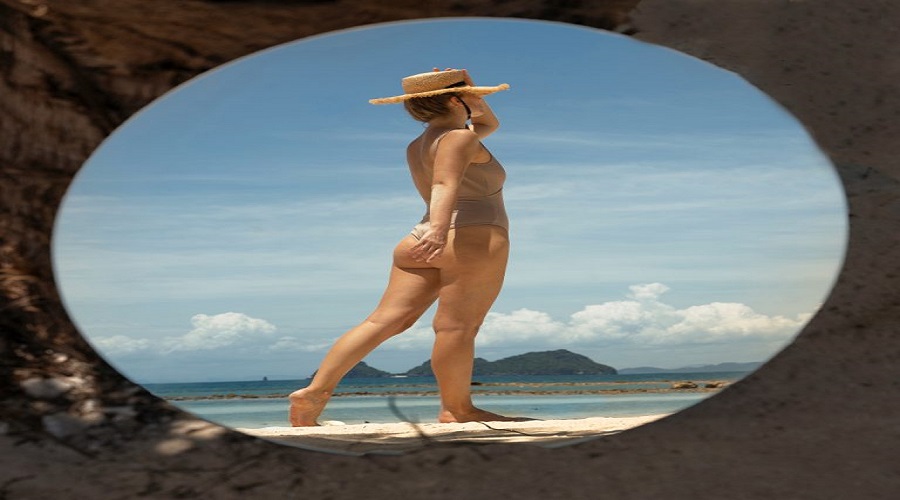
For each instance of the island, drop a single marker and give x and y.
(362, 370)
(558, 362)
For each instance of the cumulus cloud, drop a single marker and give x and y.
(120, 345)
(289, 343)
(526, 323)
(220, 330)
(208, 333)
(641, 319)
(417, 337)
(650, 291)
(724, 321)
(645, 320)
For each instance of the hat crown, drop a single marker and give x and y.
(433, 80)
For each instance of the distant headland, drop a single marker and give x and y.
(557, 362)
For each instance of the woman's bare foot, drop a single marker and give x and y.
(306, 406)
(476, 415)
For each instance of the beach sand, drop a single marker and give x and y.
(399, 437)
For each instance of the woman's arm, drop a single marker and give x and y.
(486, 123)
(455, 152)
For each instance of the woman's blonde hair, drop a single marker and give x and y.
(425, 109)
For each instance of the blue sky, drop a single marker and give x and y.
(664, 212)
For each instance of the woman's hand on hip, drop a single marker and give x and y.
(429, 247)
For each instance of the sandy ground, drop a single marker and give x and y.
(398, 437)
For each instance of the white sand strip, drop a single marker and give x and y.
(363, 438)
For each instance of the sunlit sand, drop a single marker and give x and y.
(379, 437)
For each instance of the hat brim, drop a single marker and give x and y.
(466, 90)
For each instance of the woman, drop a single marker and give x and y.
(456, 255)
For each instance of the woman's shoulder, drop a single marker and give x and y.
(464, 132)
(458, 137)
(415, 142)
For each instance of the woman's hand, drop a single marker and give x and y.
(484, 122)
(430, 246)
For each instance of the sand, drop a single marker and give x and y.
(360, 439)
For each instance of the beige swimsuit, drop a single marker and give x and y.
(479, 200)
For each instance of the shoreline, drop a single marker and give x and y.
(702, 387)
(359, 439)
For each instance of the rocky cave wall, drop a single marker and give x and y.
(820, 420)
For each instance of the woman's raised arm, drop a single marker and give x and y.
(486, 123)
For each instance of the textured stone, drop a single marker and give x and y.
(70, 72)
(63, 425)
(47, 388)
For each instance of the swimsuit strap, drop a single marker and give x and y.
(438, 139)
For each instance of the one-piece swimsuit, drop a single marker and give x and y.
(479, 199)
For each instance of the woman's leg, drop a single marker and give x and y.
(409, 293)
(471, 279)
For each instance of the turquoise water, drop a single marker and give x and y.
(256, 413)
(255, 404)
(522, 383)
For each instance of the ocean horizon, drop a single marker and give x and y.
(263, 403)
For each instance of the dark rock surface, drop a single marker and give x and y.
(71, 426)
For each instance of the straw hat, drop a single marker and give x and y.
(435, 83)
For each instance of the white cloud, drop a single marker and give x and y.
(294, 344)
(417, 337)
(526, 323)
(120, 345)
(731, 321)
(650, 291)
(619, 320)
(220, 330)
(653, 323)
(644, 321)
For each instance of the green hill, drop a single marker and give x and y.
(362, 370)
(559, 362)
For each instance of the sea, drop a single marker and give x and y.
(263, 403)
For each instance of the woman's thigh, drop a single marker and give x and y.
(409, 293)
(472, 274)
